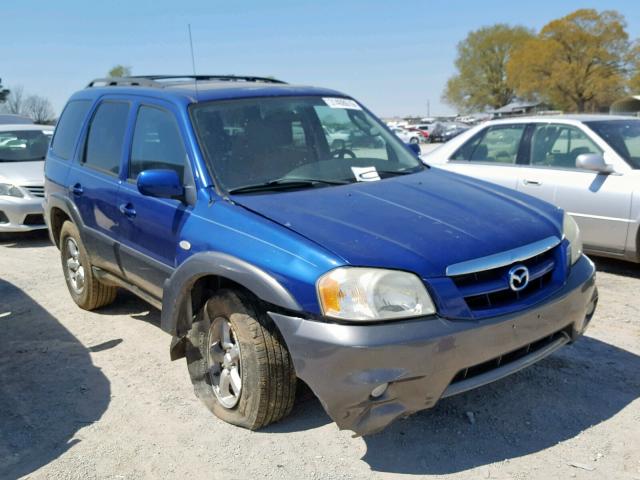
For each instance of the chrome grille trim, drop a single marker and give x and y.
(502, 259)
(35, 190)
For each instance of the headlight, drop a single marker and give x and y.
(572, 233)
(8, 190)
(369, 294)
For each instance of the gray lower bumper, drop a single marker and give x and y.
(419, 359)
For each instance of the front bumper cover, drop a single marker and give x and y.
(419, 358)
(16, 210)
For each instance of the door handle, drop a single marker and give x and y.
(128, 210)
(77, 189)
(532, 182)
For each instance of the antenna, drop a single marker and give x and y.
(193, 62)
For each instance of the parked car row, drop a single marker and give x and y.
(434, 132)
(285, 233)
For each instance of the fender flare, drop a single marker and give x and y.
(176, 299)
(63, 203)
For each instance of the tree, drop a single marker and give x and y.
(14, 102)
(39, 109)
(481, 78)
(119, 71)
(3, 92)
(634, 70)
(576, 63)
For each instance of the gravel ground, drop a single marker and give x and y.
(94, 395)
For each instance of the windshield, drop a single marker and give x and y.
(623, 136)
(24, 145)
(301, 142)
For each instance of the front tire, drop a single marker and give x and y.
(239, 365)
(85, 289)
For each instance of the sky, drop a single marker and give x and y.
(395, 57)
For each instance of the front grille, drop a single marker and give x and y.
(3, 217)
(33, 219)
(35, 190)
(507, 358)
(489, 289)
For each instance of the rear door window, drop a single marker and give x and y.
(496, 144)
(106, 136)
(68, 128)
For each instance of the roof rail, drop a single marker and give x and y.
(155, 81)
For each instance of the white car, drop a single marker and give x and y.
(589, 165)
(406, 136)
(22, 152)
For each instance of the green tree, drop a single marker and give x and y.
(3, 92)
(481, 62)
(576, 63)
(119, 71)
(634, 69)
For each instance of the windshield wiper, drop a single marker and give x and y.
(400, 172)
(286, 183)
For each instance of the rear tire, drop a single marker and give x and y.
(268, 381)
(85, 289)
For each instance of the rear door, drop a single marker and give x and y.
(151, 227)
(491, 155)
(93, 181)
(600, 203)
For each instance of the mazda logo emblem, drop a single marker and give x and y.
(518, 278)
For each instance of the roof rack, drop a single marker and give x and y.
(156, 81)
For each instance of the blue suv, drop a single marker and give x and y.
(286, 234)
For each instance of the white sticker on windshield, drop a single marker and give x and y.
(365, 174)
(335, 102)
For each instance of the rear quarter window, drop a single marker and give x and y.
(68, 128)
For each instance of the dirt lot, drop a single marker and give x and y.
(94, 395)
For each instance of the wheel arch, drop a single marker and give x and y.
(60, 209)
(191, 284)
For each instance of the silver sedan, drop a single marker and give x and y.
(589, 165)
(22, 152)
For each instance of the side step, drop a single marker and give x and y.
(111, 279)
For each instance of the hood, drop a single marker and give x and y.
(22, 173)
(421, 222)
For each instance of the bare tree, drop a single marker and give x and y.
(39, 109)
(3, 92)
(15, 101)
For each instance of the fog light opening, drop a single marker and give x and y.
(379, 390)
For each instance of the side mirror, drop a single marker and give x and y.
(160, 183)
(594, 162)
(415, 148)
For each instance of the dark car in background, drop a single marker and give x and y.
(445, 131)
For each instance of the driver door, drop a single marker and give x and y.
(599, 202)
(151, 227)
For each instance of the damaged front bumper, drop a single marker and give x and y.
(423, 360)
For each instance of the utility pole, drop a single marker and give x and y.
(428, 108)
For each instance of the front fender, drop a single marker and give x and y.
(176, 300)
